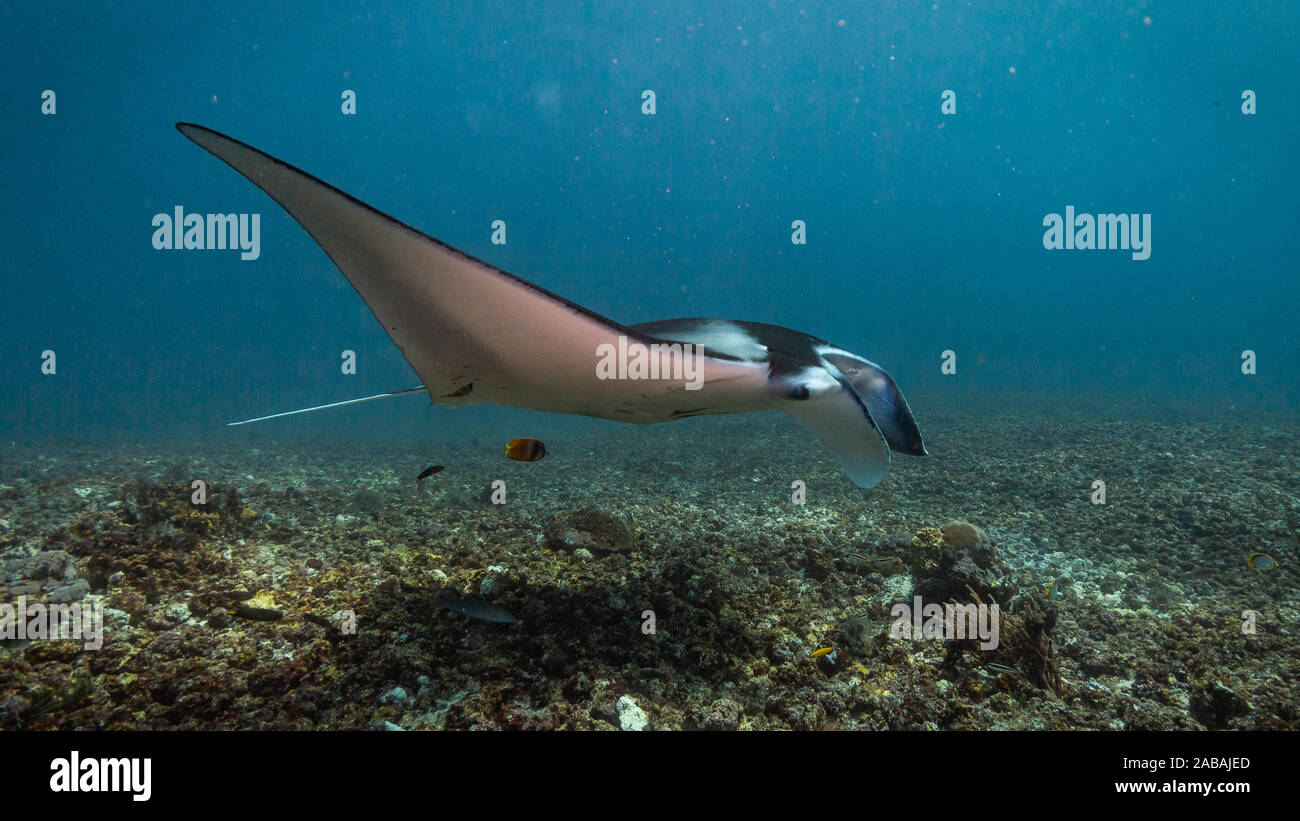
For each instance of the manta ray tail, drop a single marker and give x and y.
(330, 405)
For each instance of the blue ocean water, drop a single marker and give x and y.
(924, 229)
(924, 184)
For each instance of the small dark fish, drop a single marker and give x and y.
(429, 471)
(1002, 668)
(320, 621)
(478, 609)
(258, 613)
(525, 450)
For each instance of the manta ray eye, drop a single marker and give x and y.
(801, 392)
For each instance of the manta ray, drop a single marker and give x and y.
(474, 333)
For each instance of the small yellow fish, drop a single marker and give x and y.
(1053, 592)
(822, 651)
(525, 450)
(1260, 561)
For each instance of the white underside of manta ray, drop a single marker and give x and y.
(476, 334)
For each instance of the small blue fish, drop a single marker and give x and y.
(478, 609)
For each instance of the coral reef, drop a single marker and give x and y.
(676, 586)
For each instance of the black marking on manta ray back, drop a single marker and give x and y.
(789, 352)
(783, 364)
(787, 349)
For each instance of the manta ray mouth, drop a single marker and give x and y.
(475, 334)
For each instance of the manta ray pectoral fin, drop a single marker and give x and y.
(884, 401)
(472, 332)
(840, 420)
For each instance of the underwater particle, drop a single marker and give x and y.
(1260, 561)
(525, 450)
(429, 471)
(963, 534)
(479, 609)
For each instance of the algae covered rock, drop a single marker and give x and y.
(960, 559)
(589, 529)
(631, 718)
(723, 714)
(925, 550)
(963, 535)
